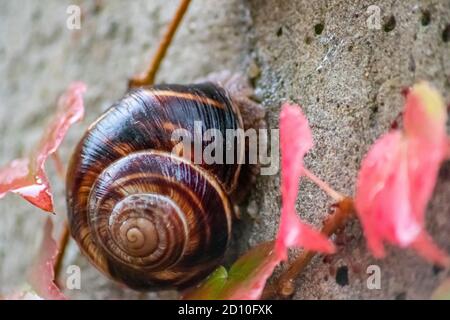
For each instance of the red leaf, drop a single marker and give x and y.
(26, 176)
(295, 140)
(247, 277)
(398, 175)
(42, 275)
(16, 177)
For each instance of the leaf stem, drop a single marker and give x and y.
(284, 286)
(62, 245)
(323, 185)
(65, 233)
(148, 78)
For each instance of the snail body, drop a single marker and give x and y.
(145, 215)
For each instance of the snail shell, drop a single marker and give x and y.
(143, 215)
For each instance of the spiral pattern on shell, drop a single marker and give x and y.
(144, 216)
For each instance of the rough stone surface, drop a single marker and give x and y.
(320, 54)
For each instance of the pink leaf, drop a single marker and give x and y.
(397, 177)
(247, 277)
(42, 275)
(17, 177)
(296, 141)
(26, 176)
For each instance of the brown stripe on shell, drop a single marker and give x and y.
(200, 253)
(141, 122)
(187, 96)
(185, 198)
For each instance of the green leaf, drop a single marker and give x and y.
(245, 280)
(442, 292)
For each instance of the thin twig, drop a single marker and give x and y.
(62, 245)
(323, 185)
(284, 286)
(65, 233)
(148, 77)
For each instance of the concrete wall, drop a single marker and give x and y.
(320, 54)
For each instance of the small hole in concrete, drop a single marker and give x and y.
(318, 28)
(437, 269)
(446, 33)
(444, 172)
(412, 64)
(308, 40)
(426, 18)
(375, 109)
(342, 276)
(389, 24)
(280, 32)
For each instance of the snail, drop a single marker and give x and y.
(148, 216)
